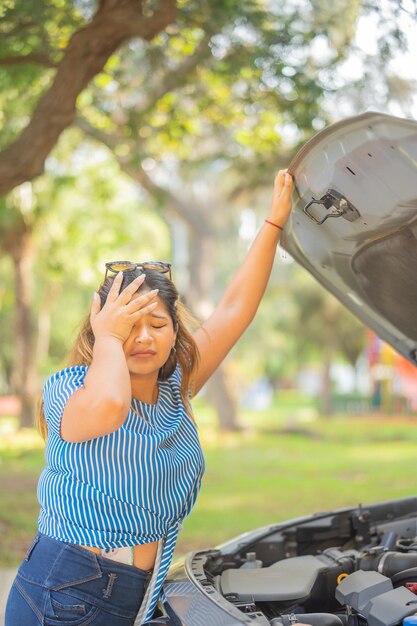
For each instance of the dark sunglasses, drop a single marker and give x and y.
(126, 266)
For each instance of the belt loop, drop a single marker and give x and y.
(31, 547)
(107, 591)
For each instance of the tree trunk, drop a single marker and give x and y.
(326, 389)
(24, 366)
(200, 285)
(201, 279)
(330, 313)
(218, 394)
(44, 323)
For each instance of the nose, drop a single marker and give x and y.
(143, 335)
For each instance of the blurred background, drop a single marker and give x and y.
(159, 138)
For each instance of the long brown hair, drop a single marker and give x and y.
(185, 351)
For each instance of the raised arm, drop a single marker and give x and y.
(238, 306)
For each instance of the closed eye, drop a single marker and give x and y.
(163, 326)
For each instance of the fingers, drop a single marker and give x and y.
(143, 311)
(283, 181)
(115, 288)
(127, 293)
(96, 306)
(279, 180)
(142, 302)
(288, 185)
(281, 198)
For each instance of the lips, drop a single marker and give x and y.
(143, 353)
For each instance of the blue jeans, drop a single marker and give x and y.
(61, 584)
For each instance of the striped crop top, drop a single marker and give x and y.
(132, 486)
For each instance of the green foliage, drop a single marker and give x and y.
(321, 321)
(216, 101)
(296, 323)
(82, 213)
(256, 75)
(89, 214)
(6, 324)
(38, 32)
(337, 20)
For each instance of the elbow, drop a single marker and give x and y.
(114, 411)
(96, 418)
(108, 415)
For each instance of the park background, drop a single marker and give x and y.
(153, 130)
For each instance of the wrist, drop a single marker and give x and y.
(280, 220)
(280, 231)
(274, 224)
(108, 339)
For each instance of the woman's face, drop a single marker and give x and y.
(150, 341)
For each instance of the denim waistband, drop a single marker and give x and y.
(59, 565)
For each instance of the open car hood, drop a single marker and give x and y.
(354, 223)
(355, 566)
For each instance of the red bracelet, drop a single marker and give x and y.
(273, 224)
(282, 242)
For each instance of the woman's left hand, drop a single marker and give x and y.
(281, 198)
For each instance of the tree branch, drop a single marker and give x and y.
(194, 218)
(40, 59)
(88, 50)
(179, 75)
(17, 29)
(190, 214)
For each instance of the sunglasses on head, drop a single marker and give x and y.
(127, 266)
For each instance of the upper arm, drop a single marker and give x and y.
(71, 412)
(57, 391)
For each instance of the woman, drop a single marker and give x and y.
(124, 463)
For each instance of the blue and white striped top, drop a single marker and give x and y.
(129, 487)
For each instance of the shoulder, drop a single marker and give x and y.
(56, 392)
(68, 377)
(61, 385)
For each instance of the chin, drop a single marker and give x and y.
(144, 369)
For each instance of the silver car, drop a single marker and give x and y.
(354, 228)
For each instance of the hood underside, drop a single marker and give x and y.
(354, 223)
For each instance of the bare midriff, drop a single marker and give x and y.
(144, 556)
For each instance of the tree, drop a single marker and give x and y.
(183, 84)
(88, 50)
(209, 84)
(323, 328)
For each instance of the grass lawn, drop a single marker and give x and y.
(272, 470)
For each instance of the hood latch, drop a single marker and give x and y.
(341, 207)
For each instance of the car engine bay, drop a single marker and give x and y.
(354, 567)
